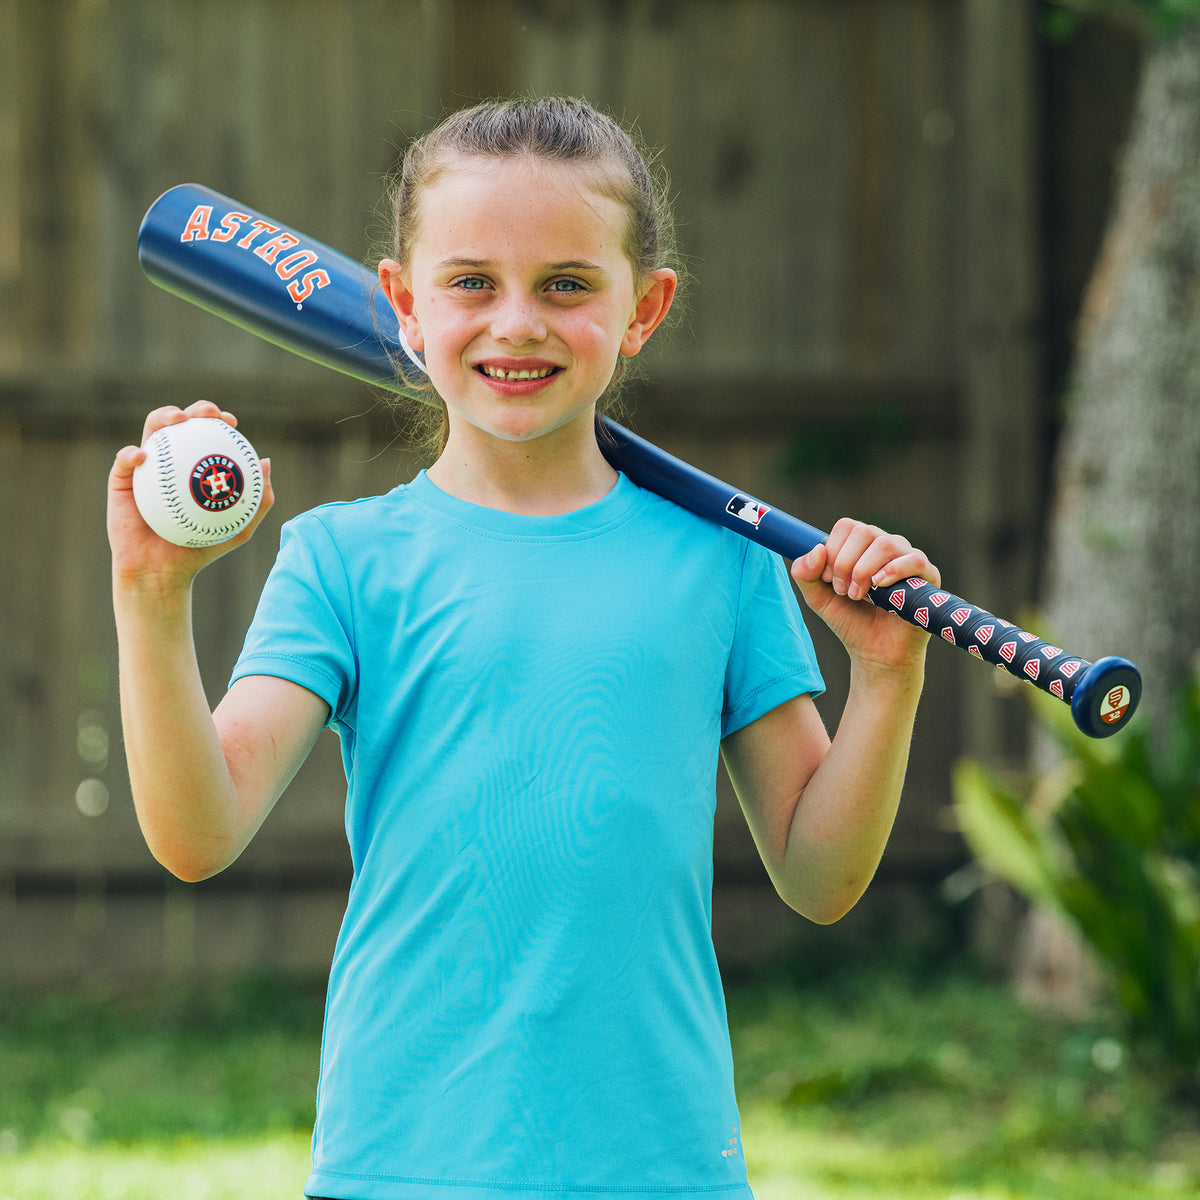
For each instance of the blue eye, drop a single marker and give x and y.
(471, 283)
(566, 286)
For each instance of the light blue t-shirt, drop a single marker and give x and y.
(524, 999)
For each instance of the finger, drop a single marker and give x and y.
(914, 564)
(172, 414)
(206, 408)
(842, 530)
(883, 554)
(160, 418)
(855, 560)
(127, 459)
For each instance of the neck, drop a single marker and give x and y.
(556, 473)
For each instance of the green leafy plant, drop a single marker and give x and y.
(1061, 19)
(1110, 838)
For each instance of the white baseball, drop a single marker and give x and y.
(200, 484)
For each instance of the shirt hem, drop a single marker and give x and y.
(327, 1182)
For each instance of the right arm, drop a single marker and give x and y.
(203, 782)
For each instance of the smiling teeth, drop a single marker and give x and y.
(516, 376)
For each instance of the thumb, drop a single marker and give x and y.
(808, 568)
(807, 572)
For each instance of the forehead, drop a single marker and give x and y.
(478, 204)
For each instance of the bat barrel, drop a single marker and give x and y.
(275, 282)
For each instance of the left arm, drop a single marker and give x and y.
(821, 811)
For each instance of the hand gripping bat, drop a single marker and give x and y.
(313, 300)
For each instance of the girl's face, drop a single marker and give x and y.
(520, 294)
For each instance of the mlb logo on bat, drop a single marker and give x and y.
(746, 509)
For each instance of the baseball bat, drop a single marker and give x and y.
(315, 301)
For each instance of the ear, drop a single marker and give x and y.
(649, 311)
(402, 301)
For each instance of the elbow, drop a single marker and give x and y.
(826, 907)
(827, 914)
(188, 868)
(191, 873)
(189, 863)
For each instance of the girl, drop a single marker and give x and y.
(531, 664)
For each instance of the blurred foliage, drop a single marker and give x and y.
(1110, 838)
(845, 446)
(886, 1082)
(225, 1061)
(1060, 19)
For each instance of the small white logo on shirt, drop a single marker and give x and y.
(731, 1147)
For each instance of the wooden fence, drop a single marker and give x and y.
(856, 196)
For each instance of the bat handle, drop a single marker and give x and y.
(1103, 695)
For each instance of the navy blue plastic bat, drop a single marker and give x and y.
(311, 299)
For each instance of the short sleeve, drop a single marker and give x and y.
(772, 658)
(303, 628)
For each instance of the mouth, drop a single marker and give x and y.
(516, 374)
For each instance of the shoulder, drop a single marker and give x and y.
(701, 533)
(344, 521)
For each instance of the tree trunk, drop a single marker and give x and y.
(1124, 538)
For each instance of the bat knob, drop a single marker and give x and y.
(1106, 696)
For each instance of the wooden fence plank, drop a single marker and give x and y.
(814, 148)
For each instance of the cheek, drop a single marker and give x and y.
(598, 333)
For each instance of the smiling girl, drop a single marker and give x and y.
(533, 666)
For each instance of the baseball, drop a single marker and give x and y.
(200, 484)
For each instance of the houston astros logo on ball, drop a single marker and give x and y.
(217, 483)
(200, 484)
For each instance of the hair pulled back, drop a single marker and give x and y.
(555, 129)
(559, 129)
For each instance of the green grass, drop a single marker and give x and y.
(869, 1084)
(876, 1086)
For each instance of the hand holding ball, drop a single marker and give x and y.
(200, 484)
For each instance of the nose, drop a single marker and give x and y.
(517, 320)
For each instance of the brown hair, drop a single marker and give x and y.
(557, 129)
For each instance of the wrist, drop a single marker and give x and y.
(890, 679)
(147, 592)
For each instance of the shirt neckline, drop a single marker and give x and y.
(592, 518)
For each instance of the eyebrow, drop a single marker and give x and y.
(479, 264)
